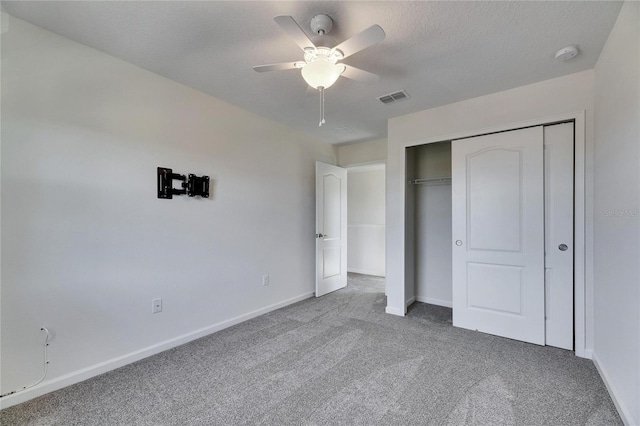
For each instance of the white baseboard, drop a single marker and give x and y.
(394, 311)
(375, 273)
(584, 353)
(615, 395)
(112, 364)
(410, 301)
(432, 301)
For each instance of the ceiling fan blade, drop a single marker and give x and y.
(360, 75)
(372, 35)
(276, 67)
(291, 27)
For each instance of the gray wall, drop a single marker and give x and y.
(366, 224)
(86, 245)
(617, 212)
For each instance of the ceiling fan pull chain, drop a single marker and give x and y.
(321, 89)
(322, 105)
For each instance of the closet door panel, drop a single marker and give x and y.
(558, 157)
(498, 234)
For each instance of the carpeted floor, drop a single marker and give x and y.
(338, 360)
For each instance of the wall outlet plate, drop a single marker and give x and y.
(156, 305)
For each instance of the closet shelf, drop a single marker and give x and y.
(431, 181)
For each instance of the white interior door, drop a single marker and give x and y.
(498, 233)
(558, 171)
(331, 228)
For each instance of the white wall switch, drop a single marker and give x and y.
(265, 280)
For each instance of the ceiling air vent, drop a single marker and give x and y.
(343, 131)
(394, 97)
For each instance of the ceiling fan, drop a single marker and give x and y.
(321, 66)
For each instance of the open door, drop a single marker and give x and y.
(498, 233)
(331, 228)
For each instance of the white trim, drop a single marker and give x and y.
(433, 301)
(615, 395)
(366, 168)
(544, 121)
(376, 273)
(410, 301)
(394, 311)
(114, 363)
(583, 277)
(366, 225)
(365, 163)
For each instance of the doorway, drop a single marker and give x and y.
(366, 219)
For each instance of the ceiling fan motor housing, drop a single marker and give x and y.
(321, 24)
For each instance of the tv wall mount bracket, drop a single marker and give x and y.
(193, 186)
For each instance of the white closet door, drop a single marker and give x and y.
(558, 170)
(498, 233)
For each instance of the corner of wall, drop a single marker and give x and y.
(362, 153)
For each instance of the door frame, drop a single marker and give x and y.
(583, 278)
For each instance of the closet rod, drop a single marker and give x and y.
(432, 181)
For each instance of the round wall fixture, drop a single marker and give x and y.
(567, 53)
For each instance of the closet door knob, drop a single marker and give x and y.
(563, 247)
(458, 243)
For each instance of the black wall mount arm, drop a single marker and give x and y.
(194, 186)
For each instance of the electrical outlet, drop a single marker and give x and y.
(265, 280)
(156, 305)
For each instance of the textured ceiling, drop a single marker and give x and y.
(439, 52)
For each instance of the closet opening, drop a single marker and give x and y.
(429, 179)
(490, 231)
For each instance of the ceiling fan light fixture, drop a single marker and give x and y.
(320, 68)
(326, 53)
(321, 73)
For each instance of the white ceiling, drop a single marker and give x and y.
(439, 52)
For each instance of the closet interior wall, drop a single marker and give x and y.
(429, 170)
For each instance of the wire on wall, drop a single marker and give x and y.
(46, 365)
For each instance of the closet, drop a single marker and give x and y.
(492, 221)
(430, 185)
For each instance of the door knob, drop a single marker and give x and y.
(458, 243)
(320, 236)
(563, 247)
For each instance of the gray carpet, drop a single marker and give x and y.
(338, 360)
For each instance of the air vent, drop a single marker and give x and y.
(394, 97)
(343, 131)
